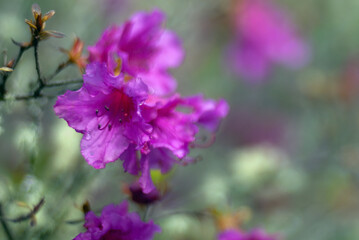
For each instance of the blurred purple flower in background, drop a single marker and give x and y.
(145, 49)
(252, 127)
(264, 35)
(117, 223)
(254, 234)
(112, 8)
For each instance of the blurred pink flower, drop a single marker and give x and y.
(117, 223)
(264, 36)
(251, 127)
(145, 49)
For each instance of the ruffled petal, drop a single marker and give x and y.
(77, 108)
(100, 147)
(170, 53)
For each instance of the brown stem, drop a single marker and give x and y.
(37, 65)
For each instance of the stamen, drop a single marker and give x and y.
(99, 127)
(118, 67)
(97, 112)
(107, 108)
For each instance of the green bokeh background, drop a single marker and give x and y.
(303, 185)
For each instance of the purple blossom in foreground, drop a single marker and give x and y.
(119, 118)
(145, 49)
(255, 234)
(264, 36)
(116, 222)
(106, 111)
(123, 117)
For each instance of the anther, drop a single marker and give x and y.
(99, 127)
(97, 112)
(109, 127)
(107, 108)
(120, 120)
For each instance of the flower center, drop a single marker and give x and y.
(117, 108)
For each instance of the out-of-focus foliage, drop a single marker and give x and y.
(288, 151)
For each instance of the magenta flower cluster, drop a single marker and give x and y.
(116, 222)
(255, 234)
(264, 36)
(128, 108)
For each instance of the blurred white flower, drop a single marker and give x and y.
(251, 166)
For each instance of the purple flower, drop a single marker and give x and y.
(121, 108)
(116, 223)
(175, 122)
(119, 119)
(106, 111)
(264, 36)
(145, 49)
(254, 234)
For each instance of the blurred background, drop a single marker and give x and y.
(285, 158)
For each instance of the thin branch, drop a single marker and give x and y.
(31, 214)
(61, 67)
(42, 82)
(7, 75)
(37, 65)
(5, 226)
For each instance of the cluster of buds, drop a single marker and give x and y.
(37, 27)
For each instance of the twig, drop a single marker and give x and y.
(33, 96)
(37, 65)
(5, 226)
(6, 75)
(61, 67)
(31, 214)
